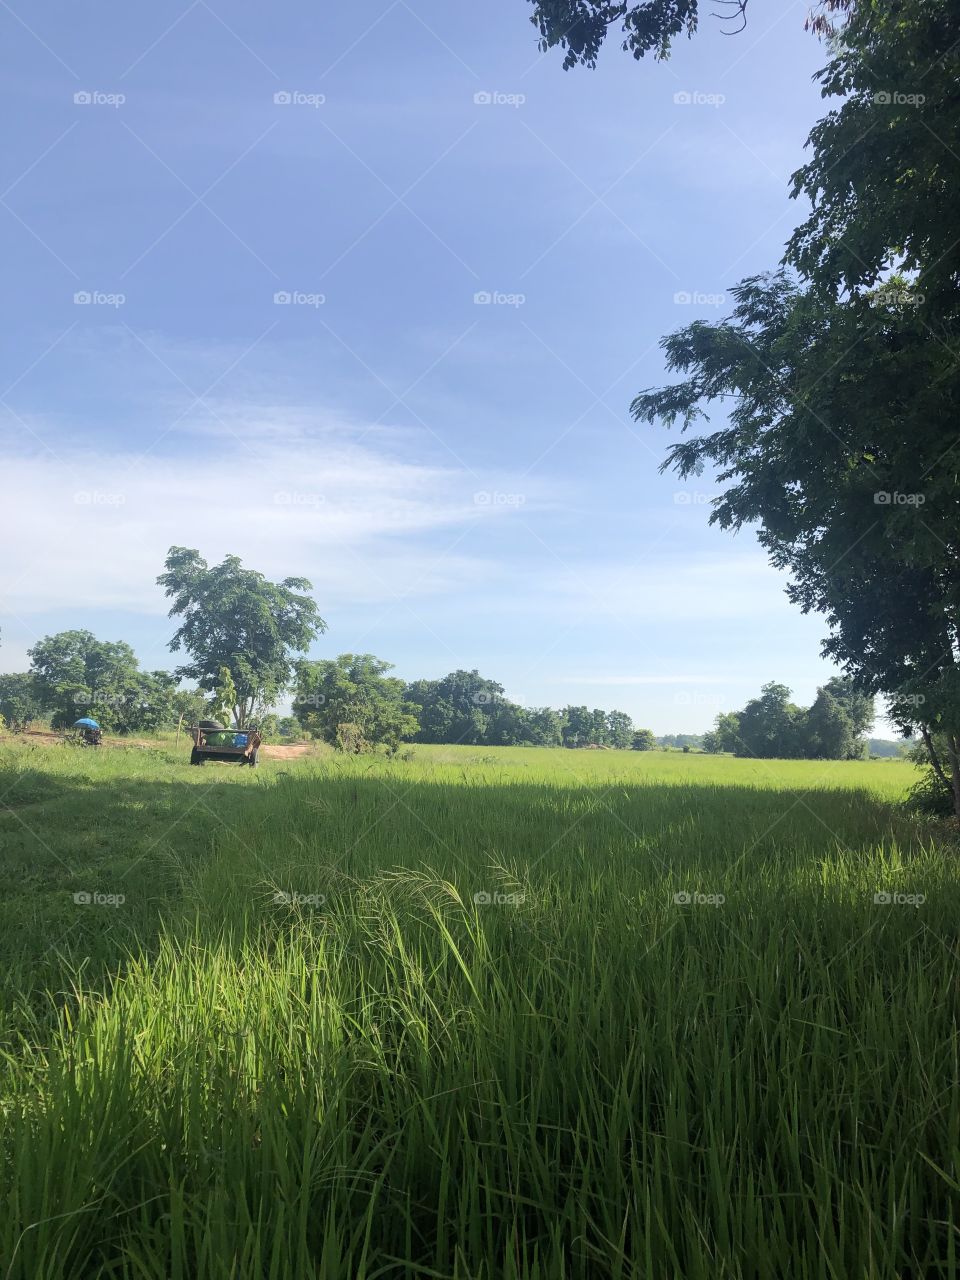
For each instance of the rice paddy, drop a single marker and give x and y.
(474, 1013)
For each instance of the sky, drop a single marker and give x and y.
(363, 294)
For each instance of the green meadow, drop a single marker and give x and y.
(474, 1013)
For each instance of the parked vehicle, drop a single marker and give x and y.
(213, 741)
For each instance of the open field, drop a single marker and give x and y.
(299, 1046)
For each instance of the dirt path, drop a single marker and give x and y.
(286, 753)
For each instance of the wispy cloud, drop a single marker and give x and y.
(291, 495)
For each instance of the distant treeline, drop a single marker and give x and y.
(772, 727)
(353, 702)
(354, 695)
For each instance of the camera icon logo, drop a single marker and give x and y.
(681, 899)
(482, 898)
(882, 899)
(283, 98)
(82, 899)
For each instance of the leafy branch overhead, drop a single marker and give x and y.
(580, 27)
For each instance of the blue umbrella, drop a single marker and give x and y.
(85, 723)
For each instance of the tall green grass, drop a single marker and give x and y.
(300, 1046)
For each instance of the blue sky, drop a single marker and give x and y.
(459, 478)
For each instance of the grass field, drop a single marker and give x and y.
(300, 1047)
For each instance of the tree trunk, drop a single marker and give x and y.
(953, 750)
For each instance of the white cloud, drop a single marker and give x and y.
(289, 496)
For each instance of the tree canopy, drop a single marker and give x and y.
(351, 699)
(235, 618)
(19, 700)
(840, 379)
(772, 727)
(74, 674)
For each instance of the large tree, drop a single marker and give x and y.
(457, 708)
(619, 730)
(353, 691)
(75, 674)
(236, 618)
(842, 422)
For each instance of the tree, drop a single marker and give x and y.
(725, 735)
(882, 177)
(643, 740)
(580, 26)
(839, 433)
(458, 708)
(845, 382)
(838, 721)
(769, 726)
(235, 618)
(828, 730)
(19, 700)
(351, 702)
(269, 726)
(543, 727)
(619, 730)
(75, 675)
(577, 727)
(224, 697)
(190, 704)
